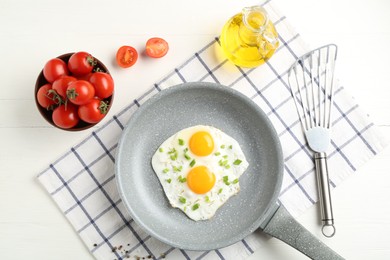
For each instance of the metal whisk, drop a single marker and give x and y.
(311, 80)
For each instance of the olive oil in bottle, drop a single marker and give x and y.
(249, 38)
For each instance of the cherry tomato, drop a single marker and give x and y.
(81, 63)
(103, 83)
(85, 76)
(156, 47)
(80, 92)
(45, 97)
(126, 56)
(61, 84)
(55, 68)
(94, 111)
(65, 116)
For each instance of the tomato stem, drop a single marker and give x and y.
(71, 93)
(97, 69)
(91, 60)
(103, 107)
(53, 95)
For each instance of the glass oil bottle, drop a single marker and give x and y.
(249, 38)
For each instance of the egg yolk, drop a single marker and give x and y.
(201, 143)
(200, 179)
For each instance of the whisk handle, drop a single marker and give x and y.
(321, 166)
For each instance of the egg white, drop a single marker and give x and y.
(172, 162)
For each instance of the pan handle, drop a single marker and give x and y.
(283, 226)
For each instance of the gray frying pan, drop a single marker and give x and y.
(254, 207)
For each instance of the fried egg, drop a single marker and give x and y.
(199, 169)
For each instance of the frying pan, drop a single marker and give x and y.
(256, 204)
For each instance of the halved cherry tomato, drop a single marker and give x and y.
(103, 83)
(55, 68)
(81, 63)
(80, 92)
(61, 84)
(65, 116)
(94, 111)
(156, 47)
(126, 56)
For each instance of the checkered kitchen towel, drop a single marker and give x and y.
(82, 181)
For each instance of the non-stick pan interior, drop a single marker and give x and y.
(183, 106)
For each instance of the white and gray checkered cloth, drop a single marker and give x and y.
(82, 181)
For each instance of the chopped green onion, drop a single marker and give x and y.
(195, 207)
(181, 142)
(185, 150)
(168, 180)
(230, 146)
(177, 169)
(173, 157)
(173, 154)
(187, 156)
(165, 170)
(235, 181)
(182, 179)
(185, 208)
(223, 163)
(223, 146)
(227, 166)
(217, 153)
(161, 150)
(225, 156)
(220, 191)
(237, 162)
(226, 180)
(207, 199)
(173, 150)
(182, 200)
(192, 163)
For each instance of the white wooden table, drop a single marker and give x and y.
(31, 32)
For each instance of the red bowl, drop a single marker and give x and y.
(47, 114)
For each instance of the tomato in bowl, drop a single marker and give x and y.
(74, 91)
